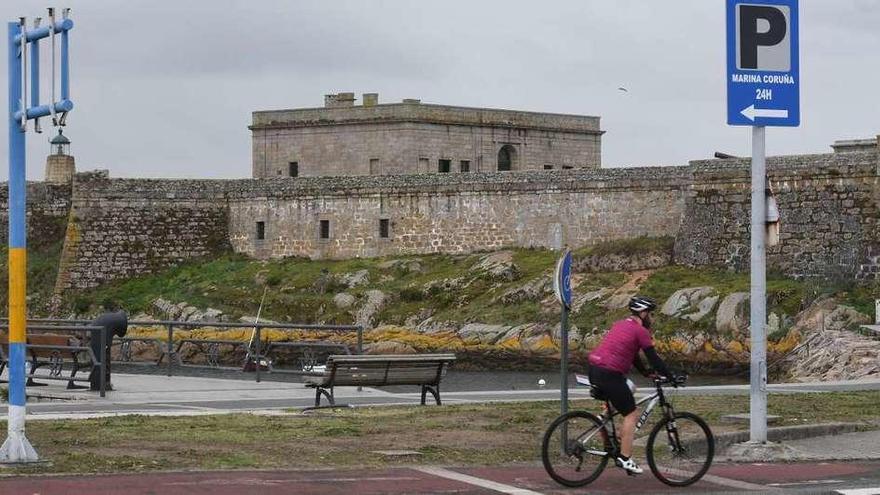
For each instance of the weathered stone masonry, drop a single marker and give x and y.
(830, 226)
(413, 138)
(829, 209)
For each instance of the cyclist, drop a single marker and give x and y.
(613, 358)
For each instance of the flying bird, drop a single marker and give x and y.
(621, 88)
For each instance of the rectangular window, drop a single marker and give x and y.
(261, 231)
(465, 165)
(567, 167)
(444, 166)
(548, 167)
(325, 229)
(423, 166)
(293, 169)
(384, 228)
(374, 166)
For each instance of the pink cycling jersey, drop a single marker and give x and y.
(621, 344)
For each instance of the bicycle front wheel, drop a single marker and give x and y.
(575, 448)
(680, 449)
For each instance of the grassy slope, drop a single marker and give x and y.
(493, 434)
(234, 284)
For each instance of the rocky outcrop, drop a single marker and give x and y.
(836, 355)
(622, 262)
(389, 347)
(732, 317)
(373, 303)
(344, 300)
(499, 265)
(355, 279)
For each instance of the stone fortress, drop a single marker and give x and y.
(411, 137)
(343, 208)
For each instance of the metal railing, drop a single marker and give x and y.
(99, 362)
(256, 353)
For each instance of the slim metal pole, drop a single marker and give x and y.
(17, 448)
(257, 351)
(758, 301)
(563, 350)
(103, 356)
(170, 348)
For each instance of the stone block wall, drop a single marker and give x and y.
(455, 213)
(122, 228)
(829, 209)
(48, 206)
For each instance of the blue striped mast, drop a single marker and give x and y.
(16, 448)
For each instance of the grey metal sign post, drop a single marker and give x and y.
(763, 89)
(562, 288)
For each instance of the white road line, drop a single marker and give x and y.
(471, 480)
(860, 491)
(718, 480)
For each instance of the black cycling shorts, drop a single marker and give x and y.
(613, 385)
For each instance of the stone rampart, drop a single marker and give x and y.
(829, 208)
(121, 228)
(830, 225)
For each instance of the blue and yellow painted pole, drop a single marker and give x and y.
(17, 448)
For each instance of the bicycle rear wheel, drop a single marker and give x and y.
(575, 448)
(680, 449)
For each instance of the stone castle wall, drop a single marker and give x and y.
(48, 206)
(122, 228)
(830, 225)
(829, 208)
(441, 213)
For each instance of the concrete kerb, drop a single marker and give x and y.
(734, 445)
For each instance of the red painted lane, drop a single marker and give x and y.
(366, 482)
(403, 480)
(612, 480)
(795, 471)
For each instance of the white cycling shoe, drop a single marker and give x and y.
(628, 465)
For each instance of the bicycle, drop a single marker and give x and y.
(578, 439)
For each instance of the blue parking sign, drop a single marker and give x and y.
(763, 72)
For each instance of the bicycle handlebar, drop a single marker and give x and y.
(674, 380)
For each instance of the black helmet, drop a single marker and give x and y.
(641, 303)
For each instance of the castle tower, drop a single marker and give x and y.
(60, 165)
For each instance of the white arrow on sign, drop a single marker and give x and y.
(751, 112)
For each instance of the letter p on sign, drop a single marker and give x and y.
(763, 38)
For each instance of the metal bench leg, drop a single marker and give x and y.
(34, 366)
(322, 390)
(435, 391)
(76, 367)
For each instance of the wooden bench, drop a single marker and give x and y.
(377, 370)
(55, 351)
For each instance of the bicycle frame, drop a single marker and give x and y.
(653, 400)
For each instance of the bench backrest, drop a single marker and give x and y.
(47, 339)
(387, 369)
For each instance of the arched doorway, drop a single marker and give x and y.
(506, 158)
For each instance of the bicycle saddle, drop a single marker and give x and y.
(596, 393)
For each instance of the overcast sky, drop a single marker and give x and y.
(165, 88)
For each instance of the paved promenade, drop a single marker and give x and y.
(178, 395)
(847, 468)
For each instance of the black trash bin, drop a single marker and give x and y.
(116, 324)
